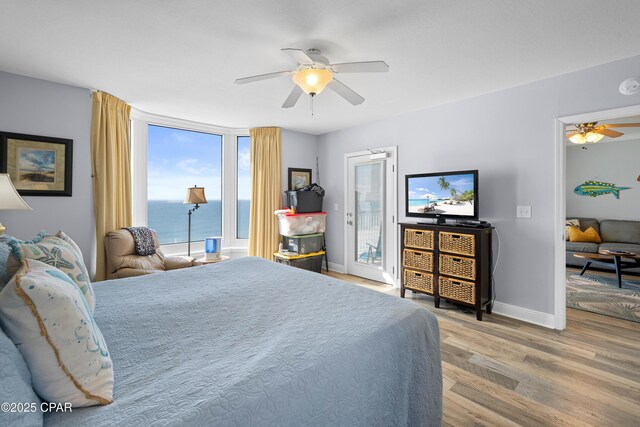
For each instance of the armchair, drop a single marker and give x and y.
(123, 261)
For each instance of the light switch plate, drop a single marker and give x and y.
(336, 207)
(523, 211)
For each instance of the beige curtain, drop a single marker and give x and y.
(266, 192)
(111, 167)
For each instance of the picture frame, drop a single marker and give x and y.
(299, 178)
(37, 165)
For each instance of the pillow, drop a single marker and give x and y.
(43, 312)
(589, 235)
(61, 254)
(571, 223)
(8, 264)
(15, 386)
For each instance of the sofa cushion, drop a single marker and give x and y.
(617, 231)
(589, 235)
(629, 247)
(582, 247)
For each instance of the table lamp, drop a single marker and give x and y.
(10, 200)
(195, 196)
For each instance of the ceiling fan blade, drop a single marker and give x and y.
(293, 97)
(300, 56)
(571, 134)
(262, 77)
(608, 132)
(344, 91)
(361, 67)
(621, 125)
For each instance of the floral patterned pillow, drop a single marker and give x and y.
(60, 253)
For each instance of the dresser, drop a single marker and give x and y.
(449, 262)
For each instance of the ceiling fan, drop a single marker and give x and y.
(592, 132)
(314, 72)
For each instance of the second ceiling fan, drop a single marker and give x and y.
(314, 72)
(593, 132)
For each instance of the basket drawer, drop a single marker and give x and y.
(418, 281)
(458, 266)
(415, 238)
(457, 290)
(418, 259)
(457, 243)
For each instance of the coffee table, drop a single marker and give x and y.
(608, 259)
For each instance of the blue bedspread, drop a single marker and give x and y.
(248, 342)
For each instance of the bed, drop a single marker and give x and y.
(248, 342)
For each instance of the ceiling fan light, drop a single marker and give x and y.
(312, 80)
(594, 137)
(578, 138)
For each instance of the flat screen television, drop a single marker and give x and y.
(442, 195)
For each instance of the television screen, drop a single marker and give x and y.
(443, 195)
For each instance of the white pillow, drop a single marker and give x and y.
(45, 314)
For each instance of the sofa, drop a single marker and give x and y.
(615, 234)
(123, 261)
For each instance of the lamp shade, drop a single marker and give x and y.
(10, 200)
(312, 80)
(195, 196)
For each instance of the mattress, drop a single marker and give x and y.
(248, 342)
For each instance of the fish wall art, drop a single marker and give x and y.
(598, 188)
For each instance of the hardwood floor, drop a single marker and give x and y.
(503, 372)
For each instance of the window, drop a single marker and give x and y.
(243, 187)
(178, 159)
(170, 155)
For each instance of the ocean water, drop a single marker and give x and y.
(170, 219)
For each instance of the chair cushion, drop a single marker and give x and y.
(15, 386)
(44, 312)
(582, 247)
(629, 247)
(617, 231)
(60, 253)
(589, 235)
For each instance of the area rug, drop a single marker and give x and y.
(600, 294)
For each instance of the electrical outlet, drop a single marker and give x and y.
(523, 211)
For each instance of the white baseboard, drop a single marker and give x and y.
(526, 315)
(338, 268)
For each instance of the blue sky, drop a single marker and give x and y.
(428, 187)
(178, 159)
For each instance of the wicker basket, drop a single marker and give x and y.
(418, 281)
(418, 259)
(458, 266)
(422, 239)
(455, 243)
(457, 290)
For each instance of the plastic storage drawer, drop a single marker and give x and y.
(311, 262)
(303, 244)
(303, 223)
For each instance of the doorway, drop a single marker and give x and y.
(560, 309)
(371, 214)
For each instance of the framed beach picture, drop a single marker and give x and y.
(299, 178)
(37, 165)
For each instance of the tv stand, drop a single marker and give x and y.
(448, 262)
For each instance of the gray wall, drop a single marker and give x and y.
(299, 150)
(510, 137)
(615, 162)
(38, 107)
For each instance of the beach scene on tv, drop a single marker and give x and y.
(446, 194)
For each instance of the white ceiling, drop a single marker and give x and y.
(180, 58)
